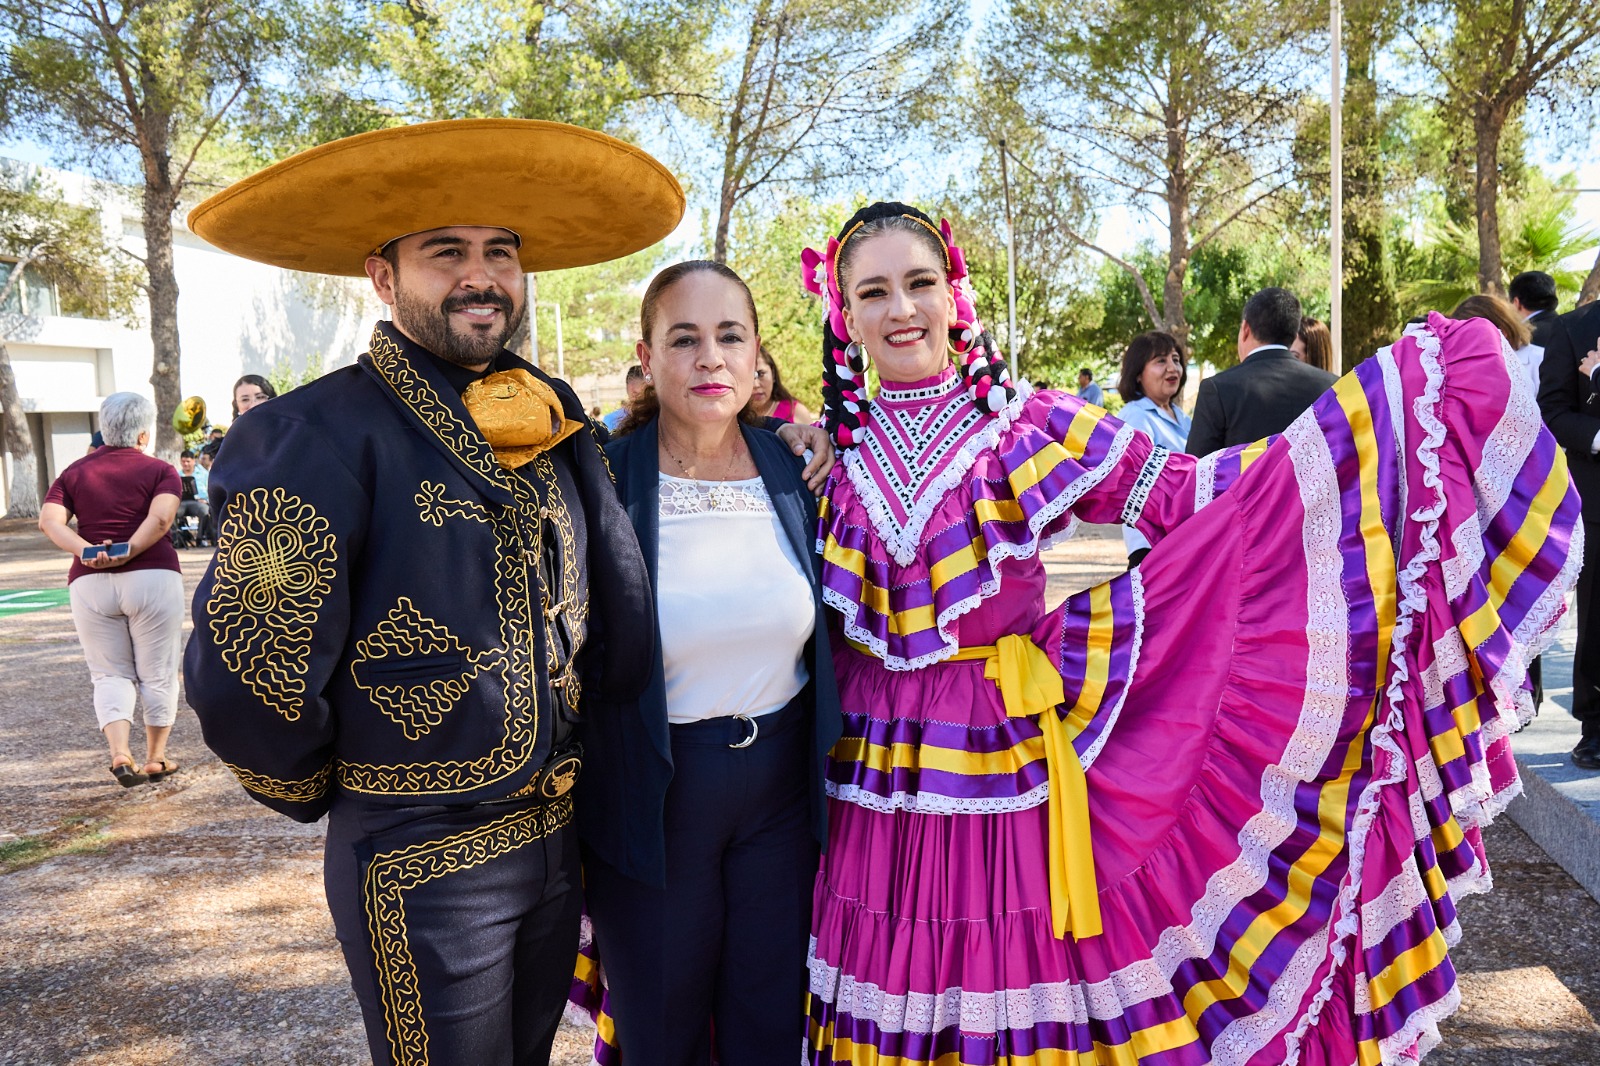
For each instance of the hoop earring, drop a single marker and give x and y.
(965, 332)
(856, 355)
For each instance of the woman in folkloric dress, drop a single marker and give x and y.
(1216, 810)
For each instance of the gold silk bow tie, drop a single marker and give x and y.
(519, 415)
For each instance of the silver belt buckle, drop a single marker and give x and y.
(755, 730)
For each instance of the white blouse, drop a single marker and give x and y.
(733, 599)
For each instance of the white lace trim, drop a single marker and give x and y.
(1307, 750)
(933, 803)
(1327, 633)
(1504, 453)
(1136, 589)
(1139, 495)
(1242, 1039)
(1395, 392)
(1205, 479)
(1421, 1031)
(983, 1013)
(1389, 764)
(684, 496)
(902, 541)
(931, 392)
(1047, 514)
(1398, 901)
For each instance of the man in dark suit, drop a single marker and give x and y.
(1565, 389)
(1533, 294)
(1268, 389)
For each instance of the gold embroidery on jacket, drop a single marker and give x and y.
(274, 568)
(414, 390)
(519, 532)
(567, 595)
(304, 790)
(392, 874)
(434, 506)
(416, 703)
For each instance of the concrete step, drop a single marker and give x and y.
(1560, 804)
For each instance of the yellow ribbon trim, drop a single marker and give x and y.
(519, 415)
(1030, 684)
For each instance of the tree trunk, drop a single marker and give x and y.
(1371, 318)
(732, 167)
(160, 202)
(23, 491)
(1179, 221)
(523, 340)
(719, 247)
(1488, 120)
(1591, 284)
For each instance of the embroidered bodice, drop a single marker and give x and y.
(942, 503)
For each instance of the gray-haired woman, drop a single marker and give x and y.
(125, 583)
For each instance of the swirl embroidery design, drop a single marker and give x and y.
(408, 642)
(392, 875)
(275, 566)
(433, 506)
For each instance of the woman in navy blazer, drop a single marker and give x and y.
(701, 806)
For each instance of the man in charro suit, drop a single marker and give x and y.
(1567, 389)
(420, 560)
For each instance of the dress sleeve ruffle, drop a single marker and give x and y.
(1044, 462)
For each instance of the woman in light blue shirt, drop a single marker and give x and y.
(1154, 369)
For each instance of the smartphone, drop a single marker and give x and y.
(110, 551)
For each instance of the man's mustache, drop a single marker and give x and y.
(478, 299)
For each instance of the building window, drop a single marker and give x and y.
(32, 295)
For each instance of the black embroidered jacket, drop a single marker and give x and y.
(392, 613)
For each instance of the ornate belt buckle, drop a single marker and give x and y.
(755, 730)
(559, 777)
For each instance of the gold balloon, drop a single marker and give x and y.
(190, 416)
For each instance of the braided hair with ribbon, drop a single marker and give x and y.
(844, 363)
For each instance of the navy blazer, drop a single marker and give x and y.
(1255, 399)
(1565, 400)
(628, 747)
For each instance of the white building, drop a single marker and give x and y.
(235, 317)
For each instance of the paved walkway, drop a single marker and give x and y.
(180, 924)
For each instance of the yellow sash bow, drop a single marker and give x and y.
(519, 415)
(1030, 684)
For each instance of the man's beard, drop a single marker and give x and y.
(432, 328)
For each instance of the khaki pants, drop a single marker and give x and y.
(131, 628)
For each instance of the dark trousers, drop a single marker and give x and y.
(1586, 660)
(199, 509)
(722, 948)
(459, 926)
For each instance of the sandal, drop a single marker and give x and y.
(168, 768)
(126, 775)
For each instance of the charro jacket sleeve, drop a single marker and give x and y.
(272, 613)
(1206, 432)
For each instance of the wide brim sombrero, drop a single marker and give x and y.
(574, 196)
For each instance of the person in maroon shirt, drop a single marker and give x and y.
(127, 604)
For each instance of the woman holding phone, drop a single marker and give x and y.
(126, 585)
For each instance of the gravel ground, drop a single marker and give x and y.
(181, 924)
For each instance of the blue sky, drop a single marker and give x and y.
(1121, 228)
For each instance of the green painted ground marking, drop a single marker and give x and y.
(25, 600)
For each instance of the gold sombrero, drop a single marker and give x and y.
(572, 195)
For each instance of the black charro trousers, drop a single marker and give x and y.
(459, 925)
